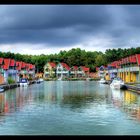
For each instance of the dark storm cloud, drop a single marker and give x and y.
(66, 25)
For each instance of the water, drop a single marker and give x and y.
(69, 108)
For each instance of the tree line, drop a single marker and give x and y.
(75, 56)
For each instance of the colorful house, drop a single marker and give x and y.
(127, 68)
(50, 70)
(1, 71)
(62, 70)
(74, 71)
(83, 71)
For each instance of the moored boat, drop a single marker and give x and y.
(118, 83)
(24, 82)
(102, 81)
(1, 90)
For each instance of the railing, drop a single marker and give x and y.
(113, 70)
(131, 69)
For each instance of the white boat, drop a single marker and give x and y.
(1, 89)
(88, 79)
(41, 79)
(24, 82)
(59, 79)
(117, 83)
(102, 81)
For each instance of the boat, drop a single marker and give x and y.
(102, 81)
(118, 83)
(59, 79)
(88, 79)
(1, 90)
(24, 82)
(39, 80)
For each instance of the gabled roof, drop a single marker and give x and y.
(65, 66)
(74, 67)
(84, 68)
(1, 61)
(12, 62)
(138, 59)
(18, 65)
(97, 68)
(6, 64)
(23, 65)
(52, 64)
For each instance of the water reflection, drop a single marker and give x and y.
(128, 102)
(75, 96)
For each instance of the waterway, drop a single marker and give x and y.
(69, 108)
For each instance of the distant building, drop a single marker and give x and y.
(62, 70)
(127, 68)
(50, 70)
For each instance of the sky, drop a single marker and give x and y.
(47, 29)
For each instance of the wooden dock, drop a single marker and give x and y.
(134, 88)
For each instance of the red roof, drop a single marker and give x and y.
(97, 68)
(65, 66)
(6, 64)
(1, 60)
(18, 65)
(84, 68)
(75, 67)
(23, 65)
(12, 62)
(134, 59)
(138, 58)
(53, 65)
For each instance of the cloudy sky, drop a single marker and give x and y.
(47, 29)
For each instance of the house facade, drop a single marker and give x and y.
(14, 69)
(50, 70)
(127, 68)
(62, 70)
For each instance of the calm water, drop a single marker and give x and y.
(69, 108)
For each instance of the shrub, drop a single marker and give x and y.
(10, 80)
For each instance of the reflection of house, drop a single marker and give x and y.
(62, 70)
(50, 70)
(129, 97)
(127, 68)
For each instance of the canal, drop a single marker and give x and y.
(69, 108)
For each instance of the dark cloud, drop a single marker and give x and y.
(66, 25)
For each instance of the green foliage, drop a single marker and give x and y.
(74, 57)
(10, 80)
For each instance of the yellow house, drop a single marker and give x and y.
(49, 70)
(128, 69)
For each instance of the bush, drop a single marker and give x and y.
(10, 80)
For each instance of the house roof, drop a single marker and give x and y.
(84, 68)
(18, 65)
(97, 68)
(75, 67)
(52, 64)
(6, 64)
(1, 60)
(138, 58)
(23, 65)
(65, 66)
(12, 62)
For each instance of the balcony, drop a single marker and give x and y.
(113, 71)
(11, 71)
